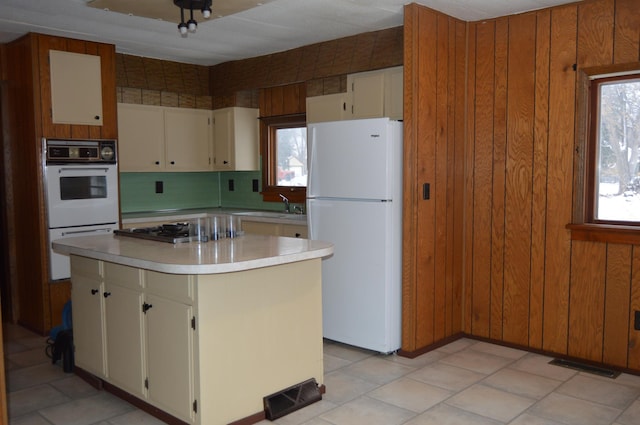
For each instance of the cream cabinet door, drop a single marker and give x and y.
(140, 138)
(330, 107)
(367, 94)
(394, 95)
(188, 139)
(170, 356)
(123, 315)
(236, 139)
(294, 231)
(261, 228)
(88, 313)
(76, 88)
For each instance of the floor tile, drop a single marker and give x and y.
(30, 419)
(443, 414)
(522, 383)
(87, 410)
(29, 357)
(74, 387)
(410, 394)
(631, 416)
(342, 387)
(420, 361)
(539, 365)
(490, 402)
(573, 411)
(476, 361)
(307, 413)
(332, 363)
(600, 391)
(377, 370)
(447, 377)
(34, 375)
(346, 352)
(529, 419)
(136, 417)
(367, 411)
(498, 350)
(457, 345)
(32, 399)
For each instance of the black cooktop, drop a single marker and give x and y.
(170, 233)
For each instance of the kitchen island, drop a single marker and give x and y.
(200, 331)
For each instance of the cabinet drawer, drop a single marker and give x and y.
(125, 276)
(86, 267)
(175, 287)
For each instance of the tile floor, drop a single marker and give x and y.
(463, 383)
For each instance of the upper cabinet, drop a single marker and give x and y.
(376, 94)
(76, 88)
(236, 139)
(157, 138)
(372, 94)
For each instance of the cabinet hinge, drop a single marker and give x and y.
(146, 383)
(195, 406)
(193, 323)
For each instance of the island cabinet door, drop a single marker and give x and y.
(88, 310)
(125, 348)
(170, 361)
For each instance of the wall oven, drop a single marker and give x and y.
(81, 180)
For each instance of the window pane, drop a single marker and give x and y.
(618, 172)
(291, 151)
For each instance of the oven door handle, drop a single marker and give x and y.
(77, 232)
(61, 170)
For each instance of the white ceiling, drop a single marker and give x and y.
(272, 26)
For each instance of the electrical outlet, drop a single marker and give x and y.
(636, 320)
(231, 185)
(159, 187)
(255, 184)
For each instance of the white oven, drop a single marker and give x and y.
(81, 180)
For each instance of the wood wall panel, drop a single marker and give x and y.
(617, 301)
(540, 171)
(633, 356)
(586, 301)
(426, 158)
(519, 177)
(434, 154)
(561, 93)
(544, 291)
(498, 182)
(482, 140)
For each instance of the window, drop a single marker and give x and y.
(284, 158)
(607, 185)
(614, 151)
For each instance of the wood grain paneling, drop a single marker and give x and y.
(434, 153)
(633, 356)
(617, 303)
(626, 32)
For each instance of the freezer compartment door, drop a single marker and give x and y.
(361, 281)
(359, 159)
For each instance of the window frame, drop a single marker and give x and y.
(270, 190)
(584, 226)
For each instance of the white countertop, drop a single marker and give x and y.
(176, 215)
(223, 256)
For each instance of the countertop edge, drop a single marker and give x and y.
(72, 246)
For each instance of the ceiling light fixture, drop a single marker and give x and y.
(191, 25)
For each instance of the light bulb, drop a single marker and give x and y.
(206, 13)
(192, 25)
(182, 27)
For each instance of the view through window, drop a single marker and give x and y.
(617, 148)
(291, 153)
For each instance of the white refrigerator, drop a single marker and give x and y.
(354, 200)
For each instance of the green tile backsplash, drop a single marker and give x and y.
(191, 190)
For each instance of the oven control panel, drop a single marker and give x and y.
(58, 151)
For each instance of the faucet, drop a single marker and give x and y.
(287, 207)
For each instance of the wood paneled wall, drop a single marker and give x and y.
(434, 129)
(526, 282)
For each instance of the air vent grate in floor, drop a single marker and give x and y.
(290, 399)
(585, 368)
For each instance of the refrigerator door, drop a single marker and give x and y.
(356, 159)
(361, 282)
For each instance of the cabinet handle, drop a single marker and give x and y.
(94, 291)
(173, 162)
(107, 294)
(225, 162)
(298, 235)
(157, 162)
(146, 307)
(97, 117)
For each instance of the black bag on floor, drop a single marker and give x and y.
(62, 349)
